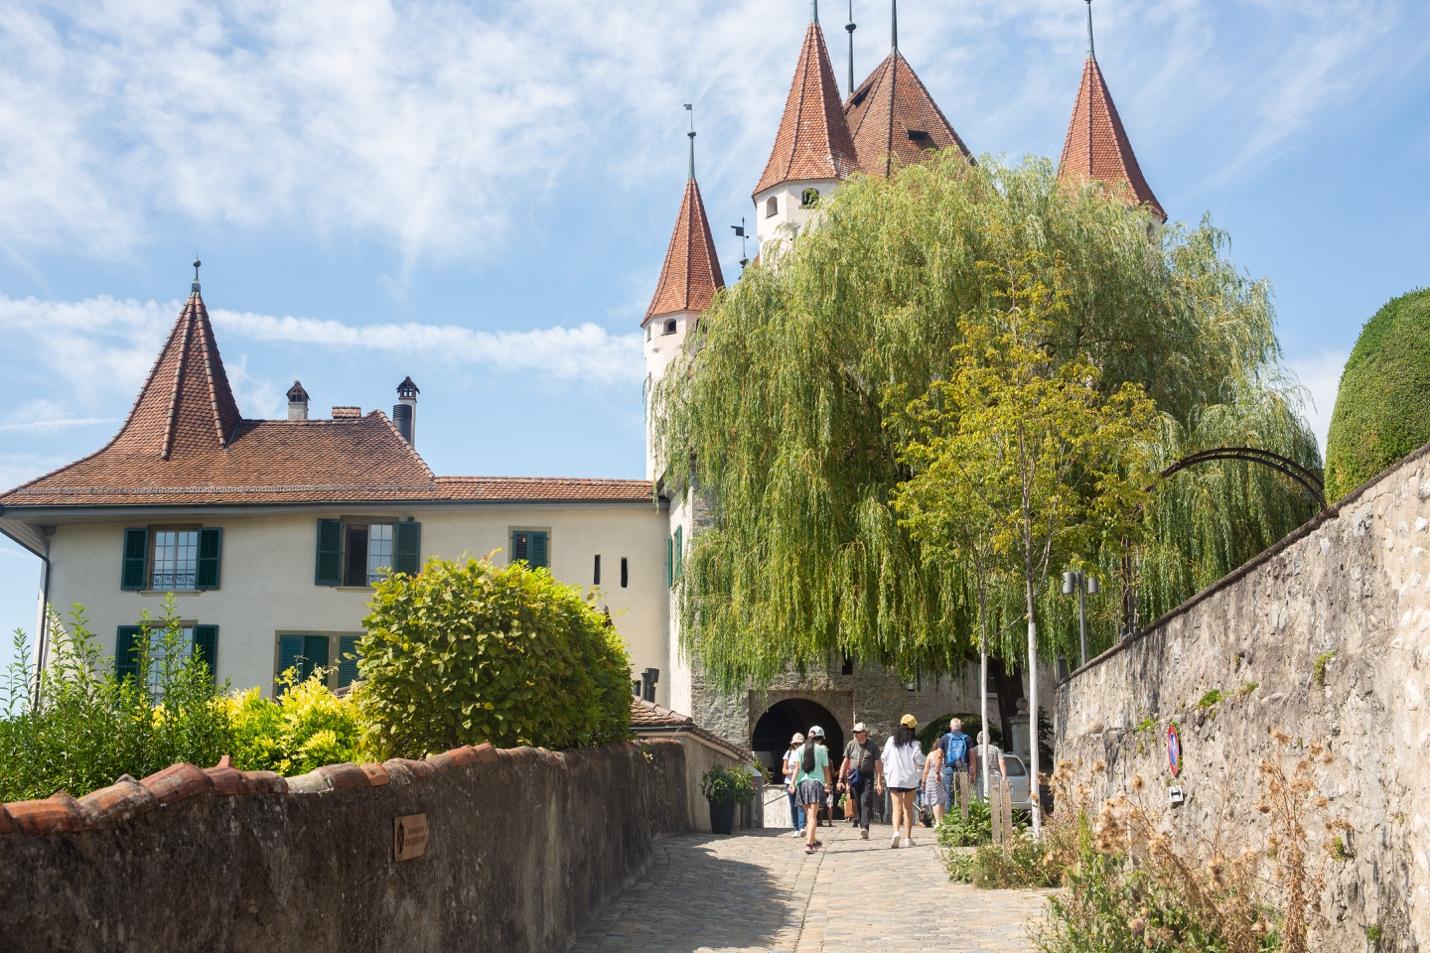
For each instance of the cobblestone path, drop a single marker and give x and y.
(758, 892)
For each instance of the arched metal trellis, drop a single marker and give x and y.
(1305, 478)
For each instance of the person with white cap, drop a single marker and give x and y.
(811, 782)
(791, 768)
(903, 763)
(862, 774)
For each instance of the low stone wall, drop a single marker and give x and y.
(1326, 638)
(523, 846)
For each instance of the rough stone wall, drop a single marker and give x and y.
(1326, 638)
(524, 845)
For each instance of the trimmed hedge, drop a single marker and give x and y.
(466, 652)
(1383, 406)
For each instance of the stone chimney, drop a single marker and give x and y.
(297, 402)
(404, 412)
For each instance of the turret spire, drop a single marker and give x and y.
(1091, 49)
(894, 33)
(851, 27)
(814, 4)
(194, 289)
(690, 108)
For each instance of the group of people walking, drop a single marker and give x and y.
(866, 770)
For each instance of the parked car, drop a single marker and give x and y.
(1017, 782)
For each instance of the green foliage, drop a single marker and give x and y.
(90, 726)
(935, 728)
(306, 727)
(1373, 933)
(954, 831)
(467, 652)
(1211, 699)
(1318, 668)
(1021, 863)
(1247, 688)
(782, 404)
(1383, 406)
(727, 785)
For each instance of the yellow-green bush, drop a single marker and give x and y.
(467, 652)
(306, 727)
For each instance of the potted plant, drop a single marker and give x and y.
(724, 788)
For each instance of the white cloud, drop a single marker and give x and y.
(1320, 374)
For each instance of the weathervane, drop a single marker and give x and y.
(739, 230)
(1091, 50)
(894, 29)
(850, 27)
(197, 263)
(690, 108)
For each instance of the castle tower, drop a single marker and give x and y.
(892, 118)
(1097, 147)
(688, 282)
(813, 150)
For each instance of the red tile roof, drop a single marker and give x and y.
(691, 273)
(894, 121)
(185, 443)
(1097, 146)
(813, 140)
(648, 718)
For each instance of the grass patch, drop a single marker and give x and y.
(1318, 668)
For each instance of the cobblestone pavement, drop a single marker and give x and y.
(758, 892)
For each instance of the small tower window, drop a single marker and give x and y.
(772, 207)
(809, 198)
(671, 326)
(647, 332)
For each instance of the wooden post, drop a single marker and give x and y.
(964, 792)
(1005, 808)
(995, 813)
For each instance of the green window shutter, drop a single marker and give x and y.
(669, 561)
(206, 647)
(347, 667)
(315, 650)
(330, 553)
(126, 661)
(407, 550)
(540, 550)
(679, 552)
(210, 548)
(136, 559)
(518, 545)
(290, 654)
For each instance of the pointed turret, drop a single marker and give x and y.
(892, 118)
(186, 404)
(1097, 146)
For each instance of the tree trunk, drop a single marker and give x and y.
(1034, 787)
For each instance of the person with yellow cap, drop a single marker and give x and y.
(903, 764)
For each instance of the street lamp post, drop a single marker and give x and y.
(1077, 581)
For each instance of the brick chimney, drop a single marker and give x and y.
(297, 402)
(404, 412)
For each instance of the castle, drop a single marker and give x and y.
(268, 533)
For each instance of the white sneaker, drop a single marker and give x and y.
(796, 833)
(908, 842)
(894, 843)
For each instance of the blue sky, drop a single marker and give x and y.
(480, 194)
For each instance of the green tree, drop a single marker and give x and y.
(777, 414)
(467, 651)
(1024, 450)
(1383, 406)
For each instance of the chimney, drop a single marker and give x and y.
(404, 412)
(347, 413)
(297, 402)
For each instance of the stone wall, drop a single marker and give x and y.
(1325, 638)
(524, 845)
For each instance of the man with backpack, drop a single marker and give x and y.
(955, 746)
(860, 773)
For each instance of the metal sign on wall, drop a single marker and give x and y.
(409, 836)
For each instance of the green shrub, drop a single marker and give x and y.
(91, 726)
(305, 727)
(954, 831)
(727, 785)
(1383, 405)
(467, 652)
(1021, 863)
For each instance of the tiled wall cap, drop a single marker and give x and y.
(7, 826)
(398, 772)
(122, 800)
(54, 815)
(376, 774)
(463, 755)
(486, 751)
(265, 782)
(439, 761)
(314, 782)
(227, 781)
(344, 777)
(178, 782)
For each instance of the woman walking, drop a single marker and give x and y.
(935, 792)
(903, 759)
(791, 768)
(812, 780)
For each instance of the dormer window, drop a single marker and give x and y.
(670, 326)
(772, 207)
(809, 199)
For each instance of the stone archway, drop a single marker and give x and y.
(774, 728)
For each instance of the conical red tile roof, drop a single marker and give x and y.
(186, 404)
(691, 273)
(1097, 146)
(813, 141)
(894, 121)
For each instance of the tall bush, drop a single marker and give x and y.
(468, 651)
(305, 727)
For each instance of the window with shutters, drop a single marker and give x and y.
(678, 553)
(772, 207)
(303, 653)
(171, 558)
(532, 546)
(357, 552)
(156, 653)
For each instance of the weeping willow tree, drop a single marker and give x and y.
(776, 414)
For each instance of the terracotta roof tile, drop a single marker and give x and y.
(813, 140)
(650, 718)
(538, 489)
(1097, 146)
(894, 121)
(691, 273)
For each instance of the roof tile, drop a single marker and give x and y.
(1097, 146)
(894, 121)
(691, 273)
(813, 140)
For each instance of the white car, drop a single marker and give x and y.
(1017, 782)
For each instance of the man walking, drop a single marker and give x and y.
(955, 745)
(861, 773)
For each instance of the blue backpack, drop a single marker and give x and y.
(955, 749)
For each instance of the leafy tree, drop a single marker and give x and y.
(778, 413)
(1018, 458)
(466, 652)
(1383, 408)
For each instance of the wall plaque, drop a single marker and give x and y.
(409, 836)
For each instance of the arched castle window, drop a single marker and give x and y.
(809, 199)
(772, 207)
(670, 326)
